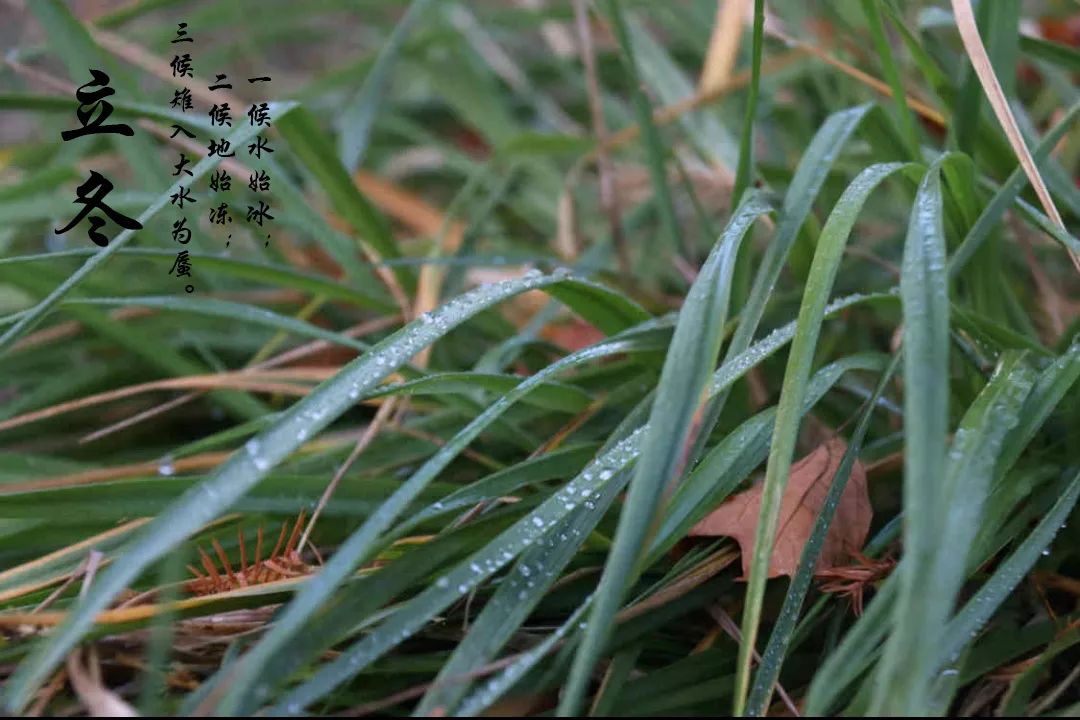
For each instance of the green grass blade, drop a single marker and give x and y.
(901, 111)
(517, 596)
(245, 468)
(316, 151)
(902, 681)
(772, 659)
(819, 285)
(359, 113)
(991, 215)
(674, 422)
(746, 141)
(461, 580)
(985, 602)
(486, 695)
(654, 144)
(360, 544)
(805, 185)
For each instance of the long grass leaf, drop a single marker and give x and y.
(674, 424)
(246, 467)
(819, 285)
(902, 683)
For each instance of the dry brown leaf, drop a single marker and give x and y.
(727, 32)
(973, 44)
(98, 699)
(573, 334)
(808, 485)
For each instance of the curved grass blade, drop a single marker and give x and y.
(240, 312)
(489, 693)
(518, 594)
(805, 185)
(772, 659)
(674, 423)
(245, 468)
(509, 544)
(901, 681)
(861, 645)
(360, 113)
(984, 603)
(1007, 193)
(819, 285)
(729, 463)
(746, 140)
(552, 395)
(315, 149)
(654, 144)
(969, 34)
(363, 542)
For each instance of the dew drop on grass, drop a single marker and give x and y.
(166, 467)
(254, 452)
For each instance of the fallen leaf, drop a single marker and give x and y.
(807, 488)
(572, 335)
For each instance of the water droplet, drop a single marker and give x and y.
(166, 468)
